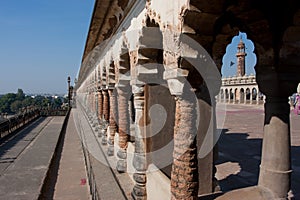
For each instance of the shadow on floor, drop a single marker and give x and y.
(18, 135)
(236, 149)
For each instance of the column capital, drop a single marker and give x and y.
(99, 89)
(176, 78)
(139, 99)
(277, 84)
(137, 89)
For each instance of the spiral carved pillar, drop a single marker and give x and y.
(124, 128)
(100, 105)
(105, 116)
(112, 122)
(184, 175)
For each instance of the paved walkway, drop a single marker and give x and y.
(11, 149)
(108, 183)
(26, 157)
(72, 182)
(240, 147)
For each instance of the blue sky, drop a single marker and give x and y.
(229, 57)
(41, 43)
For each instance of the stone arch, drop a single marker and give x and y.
(157, 87)
(123, 91)
(236, 95)
(254, 94)
(110, 70)
(121, 59)
(103, 73)
(227, 97)
(221, 26)
(222, 95)
(213, 23)
(112, 101)
(147, 77)
(242, 95)
(248, 94)
(231, 95)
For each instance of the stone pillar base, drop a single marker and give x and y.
(110, 150)
(122, 162)
(249, 193)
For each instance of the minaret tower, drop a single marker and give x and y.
(241, 55)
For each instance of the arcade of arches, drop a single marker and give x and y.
(240, 89)
(138, 54)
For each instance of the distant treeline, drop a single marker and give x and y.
(12, 103)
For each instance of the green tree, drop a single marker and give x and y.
(5, 102)
(20, 95)
(57, 102)
(28, 101)
(45, 102)
(38, 100)
(16, 106)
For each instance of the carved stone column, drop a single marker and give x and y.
(234, 98)
(90, 106)
(139, 161)
(105, 116)
(251, 98)
(92, 102)
(191, 128)
(100, 105)
(275, 168)
(124, 128)
(257, 96)
(206, 150)
(95, 121)
(184, 175)
(112, 122)
(88, 102)
(241, 98)
(96, 103)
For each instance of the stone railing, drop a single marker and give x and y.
(17, 121)
(239, 80)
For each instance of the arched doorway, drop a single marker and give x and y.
(248, 95)
(221, 96)
(226, 95)
(231, 96)
(242, 96)
(236, 95)
(254, 95)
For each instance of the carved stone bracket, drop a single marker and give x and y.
(176, 79)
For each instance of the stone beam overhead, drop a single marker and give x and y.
(106, 17)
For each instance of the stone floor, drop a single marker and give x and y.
(25, 159)
(240, 147)
(72, 180)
